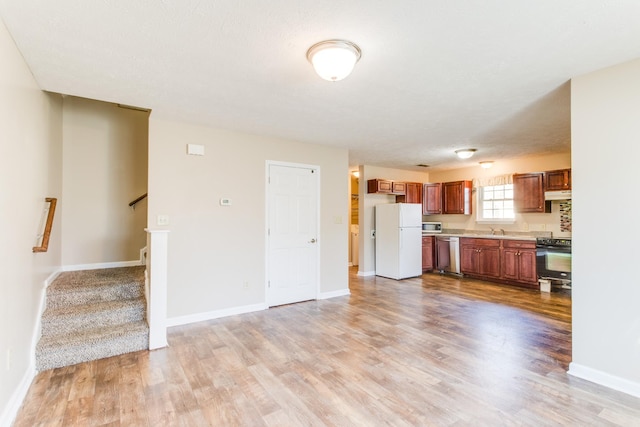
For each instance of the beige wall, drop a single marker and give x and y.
(30, 170)
(105, 168)
(606, 295)
(213, 249)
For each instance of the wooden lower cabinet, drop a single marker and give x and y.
(502, 260)
(427, 253)
(480, 257)
(519, 262)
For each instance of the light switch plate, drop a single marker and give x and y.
(195, 149)
(162, 220)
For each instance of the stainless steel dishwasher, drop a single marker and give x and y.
(448, 254)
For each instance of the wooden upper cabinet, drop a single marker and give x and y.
(386, 186)
(528, 192)
(413, 193)
(398, 187)
(456, 197)
(379, 186)
(432, 199)
(557, 180)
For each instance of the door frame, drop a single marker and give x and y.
(268, 164)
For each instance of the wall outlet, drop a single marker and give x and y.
(245, 285)
(525, 226)
(162, 220)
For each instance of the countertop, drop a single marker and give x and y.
(480, 235)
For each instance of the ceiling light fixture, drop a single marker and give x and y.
(465, 153)
(334, 60)
(486, 164)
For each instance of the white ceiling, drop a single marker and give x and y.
(435, 76)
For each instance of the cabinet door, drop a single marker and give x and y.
(379, 186)
(413, 193)
(489, 262)
(468, 259)
(527, 266)
(510, 264)
(456, 197)
(528, 192)
(427, 253)
(557, 180)
(398, 187)
(432, 199)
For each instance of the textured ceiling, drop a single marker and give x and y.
(434, 76)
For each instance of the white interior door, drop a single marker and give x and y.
(292, 235)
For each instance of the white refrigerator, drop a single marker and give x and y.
(398, 240)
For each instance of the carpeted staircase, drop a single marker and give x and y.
(93, 314)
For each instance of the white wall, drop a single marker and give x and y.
(105, 168)
(605, 126)
(523, 222)
(367, 202)
(30, 171)
(214, 249)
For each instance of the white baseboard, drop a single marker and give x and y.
(42, 305)
(10, 412)
(366, 273)
(216, 314)
(602, 378)
(96, 266)
(334, 294)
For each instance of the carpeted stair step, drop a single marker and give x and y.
(55, 351)
(73, 318)
(83, 287)
(92, 314)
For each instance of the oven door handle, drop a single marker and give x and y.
(555, 248)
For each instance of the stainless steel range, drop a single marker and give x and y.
(553, 259)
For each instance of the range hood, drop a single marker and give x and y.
(558, 195)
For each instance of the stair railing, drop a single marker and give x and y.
(133, 203)
(44, 245)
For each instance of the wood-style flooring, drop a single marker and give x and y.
(430, 351)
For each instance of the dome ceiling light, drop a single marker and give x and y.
(486, 164)
(465, 153)
(334, 60)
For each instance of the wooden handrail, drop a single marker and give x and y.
(47, 228)
(133, 203)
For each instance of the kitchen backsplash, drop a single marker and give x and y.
(565, 216)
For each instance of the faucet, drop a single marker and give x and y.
(493, 231)
(502, 231)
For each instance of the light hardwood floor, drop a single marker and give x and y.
(430, 351)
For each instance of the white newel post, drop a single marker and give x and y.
(157, 242)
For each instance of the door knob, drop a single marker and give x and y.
(312, 241)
